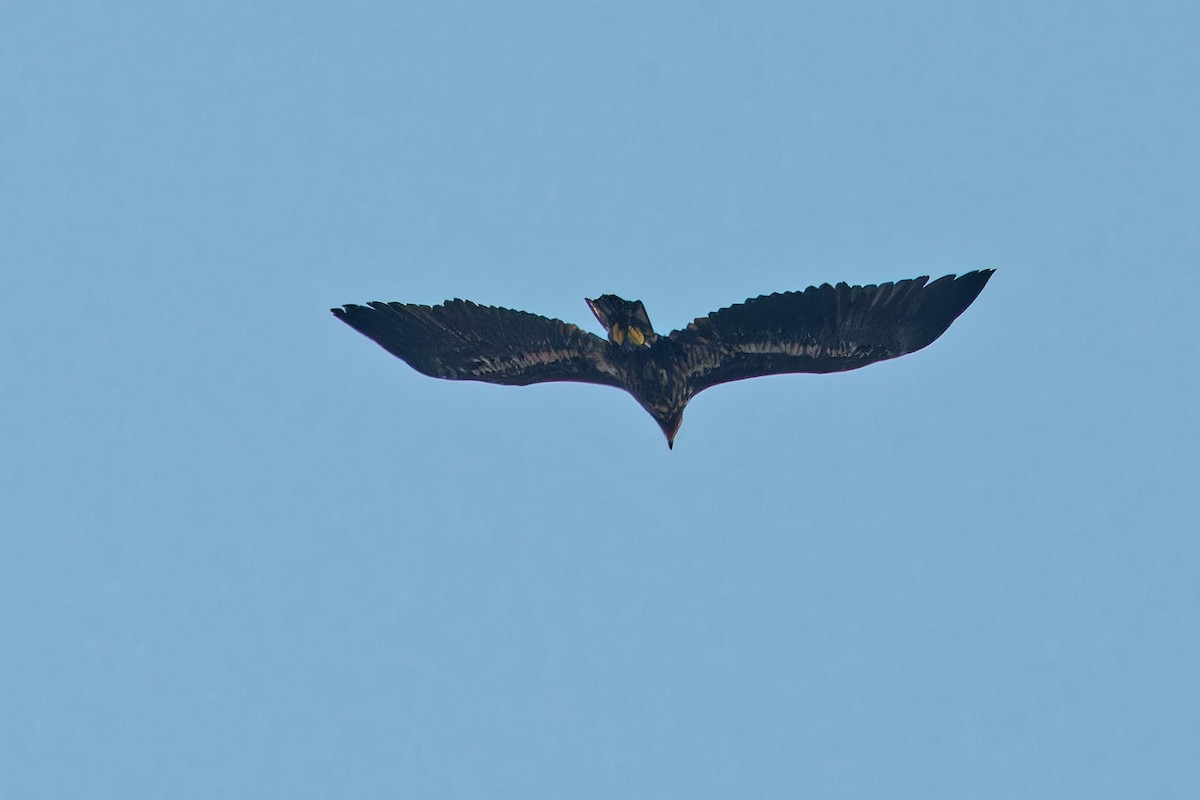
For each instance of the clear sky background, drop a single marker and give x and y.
(246, 553)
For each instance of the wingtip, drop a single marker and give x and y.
(981, 276)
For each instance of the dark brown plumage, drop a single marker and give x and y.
(822, 329)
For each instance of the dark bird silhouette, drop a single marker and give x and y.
(822, 329)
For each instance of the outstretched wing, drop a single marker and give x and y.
(822, 329)
(461, 340)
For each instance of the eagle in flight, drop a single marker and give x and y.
(822, 329)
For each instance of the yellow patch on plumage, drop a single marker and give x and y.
(618, 335)
(636, 336)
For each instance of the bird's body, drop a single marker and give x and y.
(822, 329)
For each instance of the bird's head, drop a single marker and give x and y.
(668, 417)
(670, 426)
(625, 321)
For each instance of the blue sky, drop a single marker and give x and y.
(246, 553)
